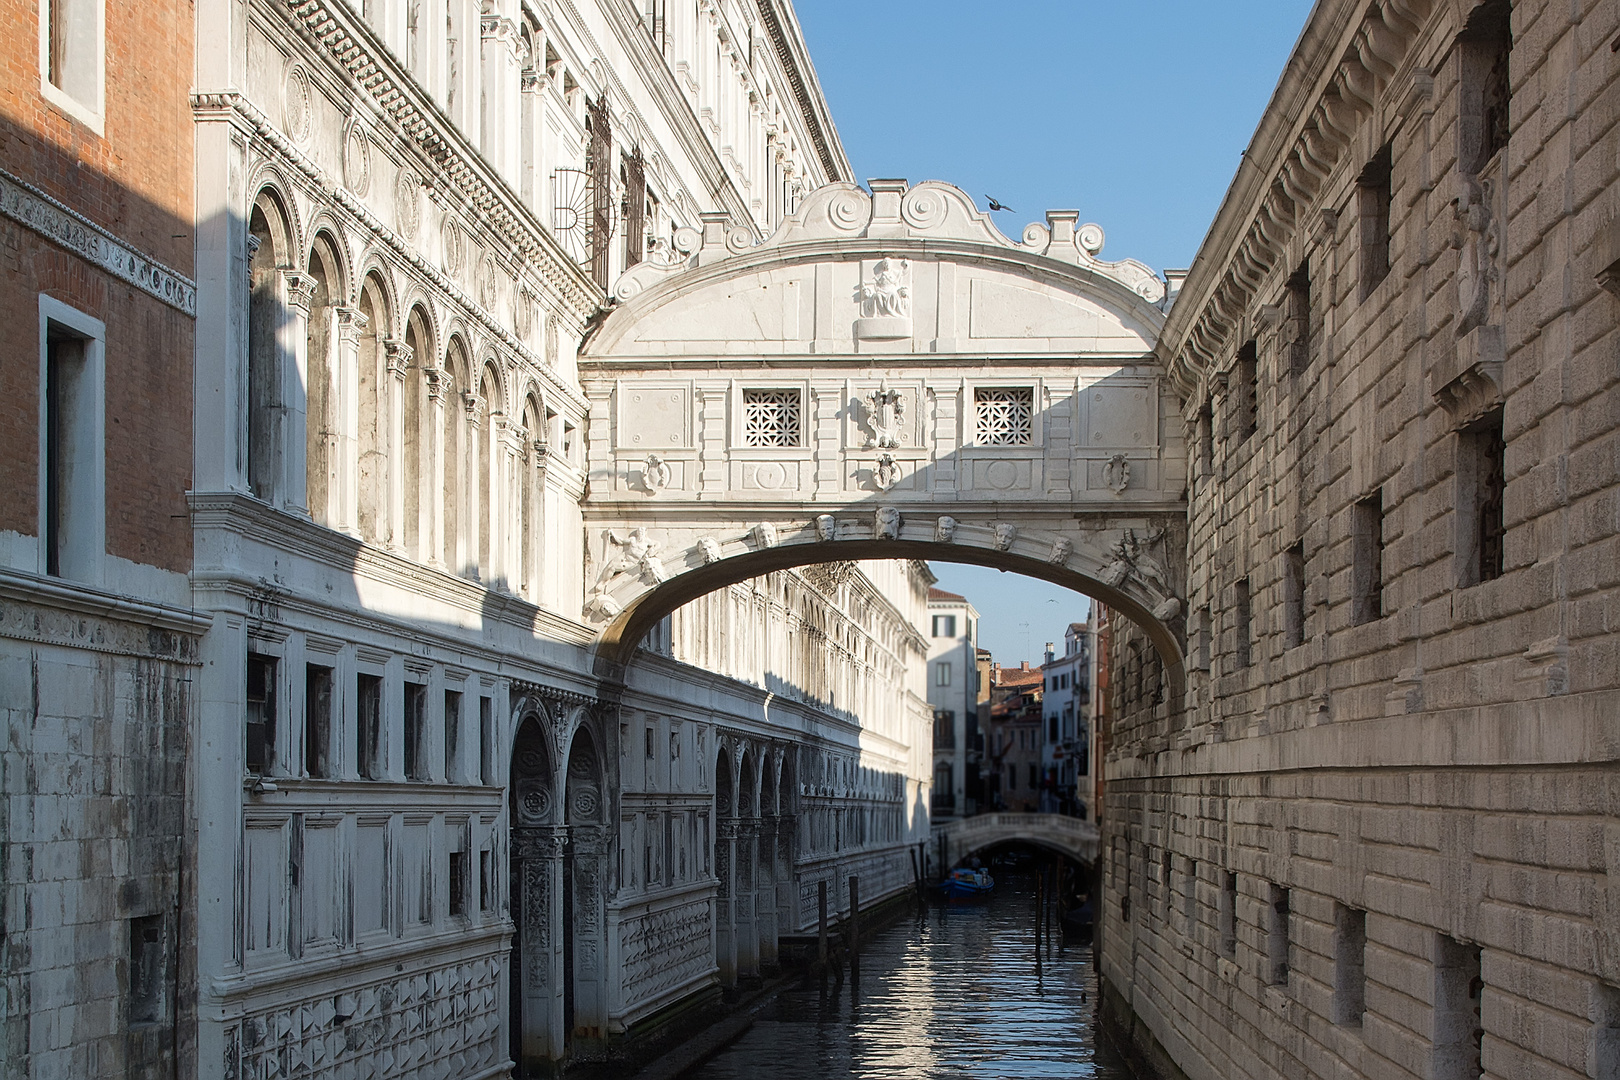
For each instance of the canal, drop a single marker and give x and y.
(954, 995)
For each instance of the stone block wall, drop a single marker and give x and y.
(92, 844)
(1378, 836)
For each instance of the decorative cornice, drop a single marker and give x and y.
(351, 45)
(795, 61)
(33, 209)
(242, 113)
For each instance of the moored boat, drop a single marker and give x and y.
(966, 884)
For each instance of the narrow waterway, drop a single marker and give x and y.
(954, 995)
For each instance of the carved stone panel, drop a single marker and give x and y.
(653, 417)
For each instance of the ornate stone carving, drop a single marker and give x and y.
(635, 555)
(397, 357)
(357, 159)
(656, 474)
(945, 530)
(886, 473)
(885, 409)
(1117, 474)
(1477, 240)
(826, 527)
(1131, 560)
(886, 523)
(886, 301)
(300, 291)
(1005, 533)
(1062, 548)
(295, 104)
(763, 535)
(407, 202)
(708, 550)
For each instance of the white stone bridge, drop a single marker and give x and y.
(1065, 835)
(886, 377)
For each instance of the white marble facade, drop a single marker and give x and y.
(405, 769)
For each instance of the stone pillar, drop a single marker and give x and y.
(511, 532)
(538, 865)
(787, 897)
(589, 846)
(503, 55)
(725, 927)
(343, 460)
(291, 431)
(531, 164)
(399, 356)
(747, 935)
(473, 406)
(765, 894)
(431, 529)
(536, 479)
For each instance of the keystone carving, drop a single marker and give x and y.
(708, 550)
(826, 527)
(886, 523)
(764, 535)
(945, 530)
(1005, 533)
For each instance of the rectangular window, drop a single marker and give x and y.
(317, 721)
(942, 674)
(1481, 486)
(1246, 391)
(1374, 189)
(944, 625)
(1228, 913)
(1277, 936)
(771, 417)
(148, 971)
(459, 861)
(651, 734)
(1034, 776)
(72, 434)
(72, 58)
(452, 737)
(1349, 965)
(1296, 335)
(1367, 559)
(486, 879)
(1189, 899)
(1206, 627)
(486, 741)
(944, 729)
(415, 731)
(1052, 729)
(1012, 777)
(1206, 441)
(261, 714)
(1242, 618)
(1459, 1028)
(1294, 596)
(368, 727)
(1004, 415)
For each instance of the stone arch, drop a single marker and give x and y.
(329, 319)
(453, 453)
(414, 456)
(1087, 569)
(585, 879)
(725, 838)
(531, 497)
(536, 875)
(376, 456)
(269, 408)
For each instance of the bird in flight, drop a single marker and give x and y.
(997, 206)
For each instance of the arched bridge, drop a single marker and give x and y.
(885, 377)
(1057, 832)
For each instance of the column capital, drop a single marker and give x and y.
(300, 290)
(351, 323)
(438, 381)
(473, 404)
(398, 357)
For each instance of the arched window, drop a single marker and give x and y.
(408, 457)
(488, 466)
(452, 472)
(530, 495)
(375, 388)
(324, 434)
(264, 416)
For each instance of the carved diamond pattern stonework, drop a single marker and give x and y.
(771, 418)
(1005, 415)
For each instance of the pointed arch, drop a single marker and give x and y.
(374, 482)
(264, 414)
(323, 427)
(414, 455)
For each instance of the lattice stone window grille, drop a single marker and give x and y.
(771, 417)
(1005, 415)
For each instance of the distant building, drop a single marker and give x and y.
(953, 692)
(1066, 739)
(1013, 738)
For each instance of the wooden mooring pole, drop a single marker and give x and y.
(821, 931)
(854, 925)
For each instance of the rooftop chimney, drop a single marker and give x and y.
(1024, 664)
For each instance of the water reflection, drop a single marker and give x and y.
(956, 995)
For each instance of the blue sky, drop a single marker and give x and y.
(1133, 113)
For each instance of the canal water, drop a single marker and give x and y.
(955, 995)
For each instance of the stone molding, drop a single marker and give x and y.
(34, 210)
